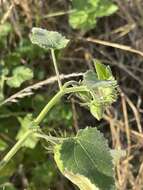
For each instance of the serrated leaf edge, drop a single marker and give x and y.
(105, 141)
(70, 174)
(65, 171)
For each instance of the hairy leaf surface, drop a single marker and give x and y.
(48, 39)
(102, 89)
(86, 160)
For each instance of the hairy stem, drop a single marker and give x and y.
(38, 120)
(55, 99)
(56, 68)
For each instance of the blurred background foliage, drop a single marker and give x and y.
(26, 66)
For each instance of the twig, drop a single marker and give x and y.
(28, 91)
(61, 13)
(125, 113)
(136, 113)
(7, 14)
(114, 45)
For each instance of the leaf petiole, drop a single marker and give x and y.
(56, 68)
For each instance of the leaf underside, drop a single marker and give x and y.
(86, 160)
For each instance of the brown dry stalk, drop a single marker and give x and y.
(126, 121)
(7, 14)
(114, 45)
(136, 114)
(139, 181)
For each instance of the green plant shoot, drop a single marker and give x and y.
(86, 158)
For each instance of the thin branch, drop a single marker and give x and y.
(28, 91)
(114, 45)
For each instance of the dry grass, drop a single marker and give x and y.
(126, 132)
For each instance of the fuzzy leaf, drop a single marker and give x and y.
(48, 39)
(103, 72)
(86, 160)
(20, 75)
(96, 110)
(102, 88)
(92, 81)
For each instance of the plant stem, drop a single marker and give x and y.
(38, 120)
(14, 149)
(51, 139)
(56, 68)
(55, 99)
(46, 109)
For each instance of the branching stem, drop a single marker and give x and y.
(38, 120)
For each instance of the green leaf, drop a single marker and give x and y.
(102, 89)
(19, 75)
(96, 3)
(26, 124)
(81, 19)
(92, 81)
(97, 110)
(80, 4)
(86, 12)
(86, 160)
(103, 72)
(107, 10)
(48, 39)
